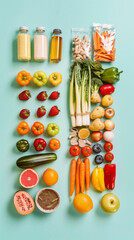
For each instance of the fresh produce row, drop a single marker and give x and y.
(103, 43)
(39, 144)
(40, 45)
(47, 199)
(39, 78)
(88, 88)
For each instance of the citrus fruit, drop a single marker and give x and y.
(50, 177)
(29, 178)
(23, 203)
(83, 133)
(82, 203)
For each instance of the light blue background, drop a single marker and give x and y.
(65, 223)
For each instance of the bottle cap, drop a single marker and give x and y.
(23, 29)
(57, 31)
(40, 29)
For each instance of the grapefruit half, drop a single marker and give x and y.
(29, 178)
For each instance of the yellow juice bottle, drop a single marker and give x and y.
(24, 44)
(56, 46)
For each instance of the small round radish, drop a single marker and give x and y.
(108, 136)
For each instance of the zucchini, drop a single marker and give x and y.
(31, 161)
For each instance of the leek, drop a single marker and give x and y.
(72, 100)
(78, 81)
(89, 94)
(80, 88)
(86, 86)
(84, 97)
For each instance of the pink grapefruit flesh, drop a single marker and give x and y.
(29, 178)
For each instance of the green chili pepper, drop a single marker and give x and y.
(111, 75)
(22, 145)
(40, 78)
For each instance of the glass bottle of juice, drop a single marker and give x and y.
(40, 45)
(24, 44)
(56, 46)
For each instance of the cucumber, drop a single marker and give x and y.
(31, 161)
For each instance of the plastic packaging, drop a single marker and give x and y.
(104, 42)
(56, 46)
(81, 43)
(24, 44)
(40, 45)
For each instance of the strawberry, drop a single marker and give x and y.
(42, 96)
(54, 95)
(41, 111)
(54, 111)
(25, 95)
(24, 113)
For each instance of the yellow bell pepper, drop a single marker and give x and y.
(40, 78)
(55, 78)
(98, 179)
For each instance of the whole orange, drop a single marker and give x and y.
(50, 177)
(83, 203)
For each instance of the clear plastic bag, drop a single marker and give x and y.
(104, 42)
(81, 43)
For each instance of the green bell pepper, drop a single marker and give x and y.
(22, 145)
(40, 78)
(111, 75)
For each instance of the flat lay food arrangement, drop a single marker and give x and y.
(91, 86)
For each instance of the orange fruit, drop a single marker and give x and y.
(83, 133)
(82, 203)
(50, 177)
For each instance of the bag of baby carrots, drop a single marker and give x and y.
(104, 42)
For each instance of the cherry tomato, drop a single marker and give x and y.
(74, 150)
(108, 146)
(109, 157)
(86, 151)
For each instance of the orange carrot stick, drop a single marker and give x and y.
(72, 177)
(78, 176)
(87, 166)
(98, 39)
(82, 177)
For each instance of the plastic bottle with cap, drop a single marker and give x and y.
(56, 46)
(24, 44)
(40, 45)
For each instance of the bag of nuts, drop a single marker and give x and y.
(81, 43)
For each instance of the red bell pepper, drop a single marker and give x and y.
(109, 176)
(39, 144)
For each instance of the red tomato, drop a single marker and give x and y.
(108, 146)
(86, 151)
(74, 150)
(107, 89)
(109, 157)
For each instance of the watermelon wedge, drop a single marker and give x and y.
(29, 178)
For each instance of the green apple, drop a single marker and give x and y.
(52, 129)
(110, 203)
